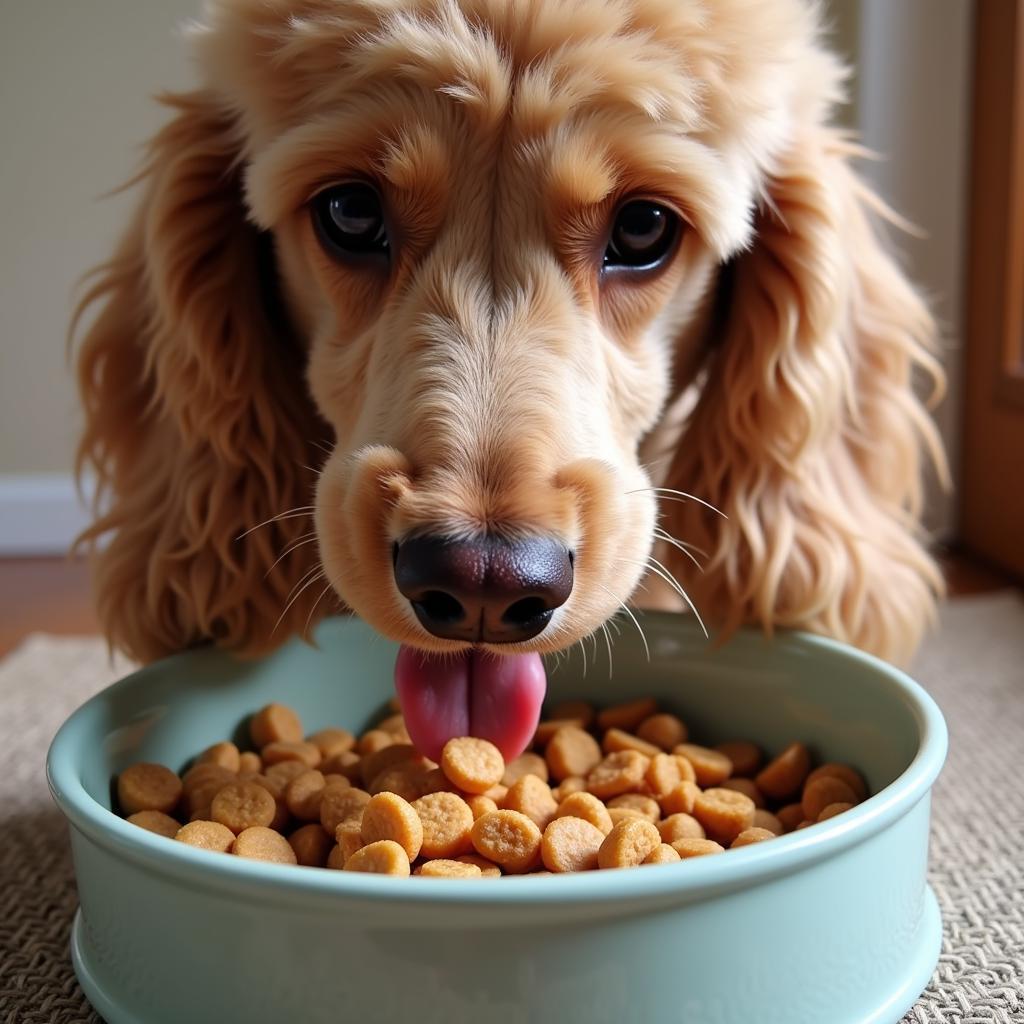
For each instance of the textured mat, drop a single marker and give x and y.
(974, 667)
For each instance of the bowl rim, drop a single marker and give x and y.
(704, 876)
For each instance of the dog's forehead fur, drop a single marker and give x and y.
(706, 91)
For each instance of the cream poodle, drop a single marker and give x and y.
(478, 317)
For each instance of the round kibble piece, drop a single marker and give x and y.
(224, 754)
(507, 838)
(751, 835)
(663, 730)
(628, 844)
(790, 816)
(663, 854)
(304, 793)
(391, 756)
(687, 848)
(680, 826)
(627, 716)
(242, 805)
(384, 857)
(487, 868)
(547, 729)
(374, 741)
(645, 806)
(833, 809)
(572, 752)
(680, 799)
(589, 808)
(850, 776)
(765, 819)
(525, 764)
(156, 821)
(249, 761)
(532, 796)
(275, 723)
(822, 791)
(259, 843)
(618, 814)
(665, 772)
(747, 787)
(305, 753)
(336, 859)
(148, 787)
(724, 813)
(573, 784)
(331, 742)
(710, 766)
(311, 845)
(409, 779)
(621, 772)
(782, 777)
(347, 763)
(276, 790)
(480, 805)
(570, 844)
(388, 816)
(447, 821)
(341, 803)
(473, 764)
(746, 757)
(349, 837)
(283, 772)
(207, 835)
(443, 868)
(618, 739)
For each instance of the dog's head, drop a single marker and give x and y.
(481, 252)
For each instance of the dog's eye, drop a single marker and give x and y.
(642, 235)
(349, 220)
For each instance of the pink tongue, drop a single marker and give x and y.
(472, 693)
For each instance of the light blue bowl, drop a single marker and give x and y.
(833, 924)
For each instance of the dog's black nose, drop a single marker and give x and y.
(489, 589)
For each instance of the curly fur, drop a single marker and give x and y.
(492, 380)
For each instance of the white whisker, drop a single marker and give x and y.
(662, 535)
(661, 571)
(669, 494)
(632, 616)
(306, 538)
(309, 617)
(292, 513)
(308, 583)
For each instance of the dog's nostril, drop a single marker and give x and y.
(528, 610)
(441, 607)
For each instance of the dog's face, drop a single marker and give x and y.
(498, 227)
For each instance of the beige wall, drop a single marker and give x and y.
(76, 80)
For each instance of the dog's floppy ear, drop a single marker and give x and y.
(197, 422)
(807, 434)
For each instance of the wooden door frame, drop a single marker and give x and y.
(992, 494)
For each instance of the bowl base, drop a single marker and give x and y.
(920, 965)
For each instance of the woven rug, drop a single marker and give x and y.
(974, 667)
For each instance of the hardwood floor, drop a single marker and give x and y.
(53, 594)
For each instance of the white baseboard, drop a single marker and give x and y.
(41, 513)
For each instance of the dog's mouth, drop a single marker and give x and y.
(470, 693)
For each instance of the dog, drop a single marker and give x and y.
(481, 319)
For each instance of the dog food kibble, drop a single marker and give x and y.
(311, 845)
(570, 844)
(474, 765)
(751, 835)
(242, 805)
(532, 796)
(155, 821)
(662, 854)
(388, 816)
(664, 731)
(724, 813)
(572, 751)
(384, 857)
(442, 868)
(446, 822)
(628, 844)
(783, 777)
(710, 767)
(509, 839)
(148, 787)
(616, 788)
(273, 724)
(207, 835)
(746, 757)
